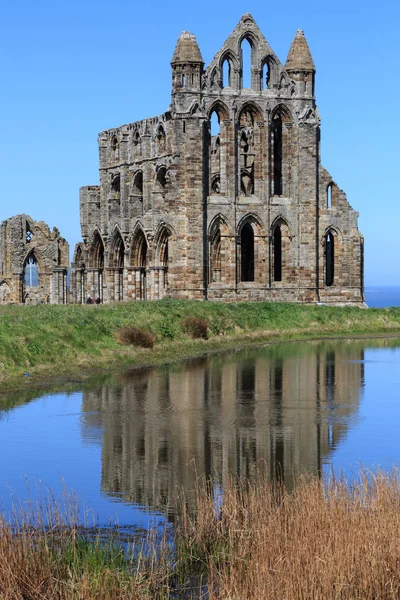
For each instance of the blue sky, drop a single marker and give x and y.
(72, 69)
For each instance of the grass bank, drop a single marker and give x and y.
(74, 340)
(335, 540)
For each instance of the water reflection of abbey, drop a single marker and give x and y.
(288, 411)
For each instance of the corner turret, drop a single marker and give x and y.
(300, 65)
(187, 64)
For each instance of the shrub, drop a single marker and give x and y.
(135, 336)
(195, 327)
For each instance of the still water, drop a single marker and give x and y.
(128, 442)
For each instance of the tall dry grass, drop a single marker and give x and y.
(338, 540)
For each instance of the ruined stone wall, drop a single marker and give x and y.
(33, 262)
(239, 214)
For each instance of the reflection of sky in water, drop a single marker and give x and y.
(374, 437)
(319, 405)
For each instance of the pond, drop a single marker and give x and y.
(127, 443)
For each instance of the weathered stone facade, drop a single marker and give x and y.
(34, 262)
(243, 213)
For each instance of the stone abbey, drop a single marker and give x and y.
(222, 197)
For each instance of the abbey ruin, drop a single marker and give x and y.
(222, 197)
(33, 262)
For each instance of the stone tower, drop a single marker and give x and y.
(224, 196)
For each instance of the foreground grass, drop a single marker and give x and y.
(66, 340)
(338, 540)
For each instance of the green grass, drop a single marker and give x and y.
(72, 340)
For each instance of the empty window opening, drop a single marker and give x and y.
(214, 79)
(215, 126)
(277, 133)
(192, 78)
(184, 126)
(161, 140)
(277, 254)
(265, 75)
(246, 49)
(162, 180)
(226, 73)
(115, 147)
(329, 196)
(31, 276)
(116, 183)
(330, 259)
(137, 145)
(183, 80)
(247, 253)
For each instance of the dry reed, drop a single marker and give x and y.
(250, 541)
(338, 540)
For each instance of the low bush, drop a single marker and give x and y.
(135, 336)
(196, 327)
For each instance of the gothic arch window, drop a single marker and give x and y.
(137, 186)
(265, 75)
(137, 146)
(226, 73)
(117, 252)
(282, 140)
(161, 140)
(214, 82)
(215, 153)
(96, 252)
(116, 183)
(278, 150)
(215, 255)
(31, 273)
(246, 49)
(329, 258)
(247, 253)
(96, 261)
(162, 257)
(115, 148)
(277, 253)
(329, 195)
(161, 180)
(139, 250)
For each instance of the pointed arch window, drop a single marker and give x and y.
(161, 180)
(115, 148)
(278, 151)
(215, 256)
(161, 140)
(329, 259)
(139, 252)
(137, 146)
(117, 251)
(265, 75)
(246, 58)
(247, 252)
(226, 73)
(215, 153)
(137, 187)
(31, 275)
(277, 253)
(329, 196)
